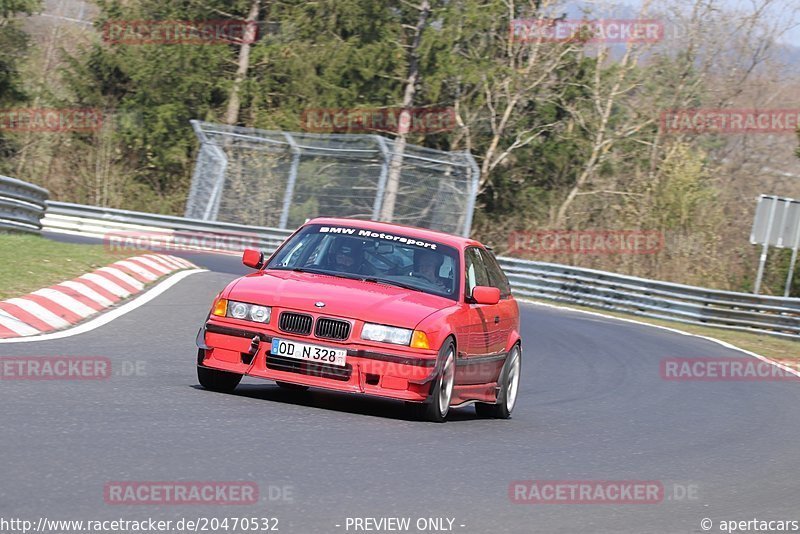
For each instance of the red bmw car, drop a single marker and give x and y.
(371, 308)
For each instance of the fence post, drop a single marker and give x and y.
(476, 176)
(212, 209)
(289, 194)
(376, 207)
(212, 205)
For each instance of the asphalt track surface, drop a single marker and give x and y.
(592, 406)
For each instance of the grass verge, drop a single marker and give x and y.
(775, 348)
(30, 262)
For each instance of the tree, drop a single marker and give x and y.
(13, 48)
(151, 92)
(409, 91)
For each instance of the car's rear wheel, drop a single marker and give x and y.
(439, 403)
(509, 386)
(217, 380)
(290, 386)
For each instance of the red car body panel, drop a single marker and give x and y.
(483, 334)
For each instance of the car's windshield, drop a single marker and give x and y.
(371, 256)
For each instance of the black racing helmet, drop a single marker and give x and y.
(347, 246)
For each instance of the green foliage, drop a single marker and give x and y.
(13, 49)
(684, 194)
(9, 8)
(156, 89)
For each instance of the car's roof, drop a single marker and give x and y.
(410, 231)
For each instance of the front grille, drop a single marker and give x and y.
(279, 363)
(332, 328)
(295, 323)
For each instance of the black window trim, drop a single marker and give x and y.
(468, 296)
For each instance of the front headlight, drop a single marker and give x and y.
(386, 334)
(242, 310)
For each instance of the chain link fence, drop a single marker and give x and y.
(280, 179)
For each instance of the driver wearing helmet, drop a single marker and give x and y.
(346, 255)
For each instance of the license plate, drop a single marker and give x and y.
(311, 353)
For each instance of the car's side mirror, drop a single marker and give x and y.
(253, 258)
(485, 295)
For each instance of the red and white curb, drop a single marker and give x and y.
(70, 302)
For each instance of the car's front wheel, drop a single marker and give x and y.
(217, 380)
(439, 403)
(509, 386)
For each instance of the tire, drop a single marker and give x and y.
(436, 408)
(509, 387)
(217, 380)
(291, 387)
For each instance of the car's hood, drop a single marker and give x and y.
(353, 299)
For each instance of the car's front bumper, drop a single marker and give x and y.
(384, 373)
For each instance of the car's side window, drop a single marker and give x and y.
(496, 276)
(476, 274)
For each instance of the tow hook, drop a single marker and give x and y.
(254, 344)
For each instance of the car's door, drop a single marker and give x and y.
(472, 365)
(504, 321)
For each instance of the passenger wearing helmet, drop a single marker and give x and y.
(346, 255)
(426, 266)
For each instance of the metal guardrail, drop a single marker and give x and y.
(22, 205)
(588, 287)
(135, 229)
(656, 299)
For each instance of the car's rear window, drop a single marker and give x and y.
(372, 255)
